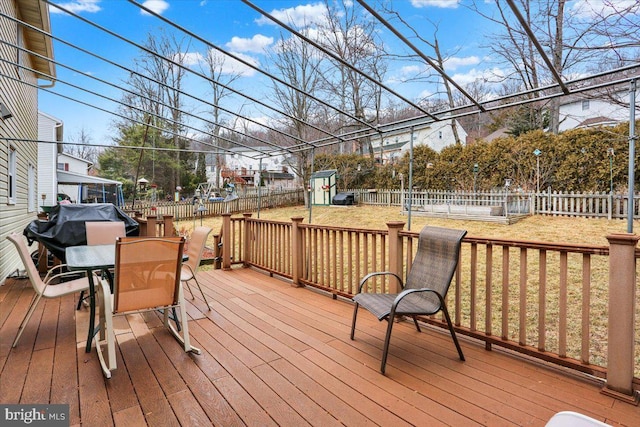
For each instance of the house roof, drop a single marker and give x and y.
(65, 177)
(36, 14)
(324, 174)
(71, 156)
(597, 121)
(277, 175)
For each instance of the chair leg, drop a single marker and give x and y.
(385, 350)
(80, 300)
(201, 292)
(32, 307)
(453, 332)
(106, 332)
(186, 282)
(353, 323)
(415, 322)
(184, 338)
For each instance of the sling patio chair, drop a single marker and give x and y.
(194, 251)
(47, 287)
(102, 233)
(426, 287)
(147, 278)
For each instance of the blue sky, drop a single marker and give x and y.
(237, 28)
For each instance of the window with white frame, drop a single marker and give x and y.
(31, 201)
(585, 105)
(13, 177)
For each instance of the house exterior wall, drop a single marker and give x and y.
(76, 165)
(47, 158)
(576, 112)
(21, 100)
(437, 136)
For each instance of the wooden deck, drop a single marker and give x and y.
(278, 355)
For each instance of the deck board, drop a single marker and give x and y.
(275, 354)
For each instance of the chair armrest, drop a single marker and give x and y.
(48, 279)
(378, 273)
(49, 276)
(406, 292)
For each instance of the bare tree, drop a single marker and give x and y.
(297, 63)
(571, 38)
(154, 97)
(82, 146)
(221, 74)
(347, 33)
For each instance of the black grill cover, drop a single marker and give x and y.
(343, 199)
(65, 226)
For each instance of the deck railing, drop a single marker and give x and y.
(546, 300)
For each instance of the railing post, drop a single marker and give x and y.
(226, 241)
(151, 225)
(396, 253)
(622, 297)
(246, 256)
(297, 250)
(168, 225)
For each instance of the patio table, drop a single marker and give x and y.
(89, 259)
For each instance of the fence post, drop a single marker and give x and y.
(396, 253)
(226, 241)
(622, 291)
(297, 250)
(246, 257)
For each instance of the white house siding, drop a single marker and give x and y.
(21, 100)
(76, 165)
(47, 158)
(437, 135)
(573, 113)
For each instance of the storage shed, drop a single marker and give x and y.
(323, 187)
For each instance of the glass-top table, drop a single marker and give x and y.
(90, 259)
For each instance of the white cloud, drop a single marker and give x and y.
(455, 62)
(157, 6)
(589, 9)
(299, 16)
(78, 6)
(231, 66)
(256, 44)
(411, 69)
(188, 58)
(450, 4)
(493, 75)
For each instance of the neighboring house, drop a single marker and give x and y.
(77, 166)
(436, 135)
(19, 120)
(49, 129)
(587, 111)
(243, 167)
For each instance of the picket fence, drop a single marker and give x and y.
(597, 205)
